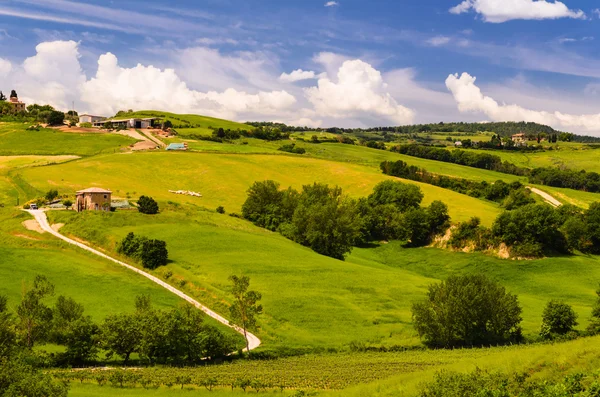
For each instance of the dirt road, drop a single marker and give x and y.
(40, 217)
(548, 198)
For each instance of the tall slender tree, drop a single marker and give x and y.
(245, 307)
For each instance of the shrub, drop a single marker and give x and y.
(147, 205)
(449, 316)
(220, 209)
(67, 203)
(51, 195)
(56, 118)
(154, 254)
(558, 318)
(86, 125)
(291, 148)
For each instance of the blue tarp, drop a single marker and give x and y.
(176, 146)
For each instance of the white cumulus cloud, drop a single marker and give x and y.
(470, 99)
(332, 4)
(148, 87)
(359, 91)
(438, 41)
(297, 75)
(498, 11)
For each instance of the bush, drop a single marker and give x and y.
(86, 125)
(51, 195)
(55, 118)
(467, 310)
(291, 148)
(220, 209)
(154, 254)
(147, 205)
(558, 319)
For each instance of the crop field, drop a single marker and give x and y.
(15, 140)
(381, 374)
(224, 179)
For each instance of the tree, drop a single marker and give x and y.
(17, 378)
(121, 334)
(147, 205)
(154, 254)
(2, 97)
(263, 205)
(66, 311)
(594, 325)
(167, 124)
(558, 318)
(80, 340)
(56, 118)
(51, 195)
(35, 318)
(325, 220)
(469, 310)
(67, 203)
(404, 196)
(7, 329)
(245, 305)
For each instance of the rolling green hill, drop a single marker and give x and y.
(187, 124)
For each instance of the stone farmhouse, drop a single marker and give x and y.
(17, 105)
(94, 199)
(519, 139)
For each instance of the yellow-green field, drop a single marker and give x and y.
(224, 179)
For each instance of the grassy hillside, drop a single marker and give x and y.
(312, 300)
(15, 139)
(224, 179)
(189, 124)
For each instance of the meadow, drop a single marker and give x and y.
(315, 301)
(15, 140)
(196, 121)
(223, 179)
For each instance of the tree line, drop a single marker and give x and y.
(510, 196)
(331, 223)
(535, 230)
(571, 179)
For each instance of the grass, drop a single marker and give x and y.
(102, 287)
(314, 301)
(223, 179)
(570, 155)
(193, 120)
(15, 140)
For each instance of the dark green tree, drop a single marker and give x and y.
(263, 207)
(594, 325)
(403, 195)
(154, 253)
(7, 329)
(35, 317)
(558, 318)
(469, 310)
(147, 205)
(2, 97)
(81, 341)
(121, 334)
(245, 307)
(55, 118)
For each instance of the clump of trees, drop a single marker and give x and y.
(331, 223)
(509, 195)
(467, 311)
(150, 252)
(175, 337)
(291, 148)
(147, 205)
(571, 179)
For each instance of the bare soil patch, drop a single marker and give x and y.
(57, 226)
(33, 225)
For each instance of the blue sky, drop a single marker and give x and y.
(362, 62)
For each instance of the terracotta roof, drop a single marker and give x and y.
(94, 190)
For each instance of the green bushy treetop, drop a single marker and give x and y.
(147, 205)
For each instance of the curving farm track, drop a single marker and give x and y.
(40, 217)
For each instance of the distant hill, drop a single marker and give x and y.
(186, 120)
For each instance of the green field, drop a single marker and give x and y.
(314, 300)
(224, 179)
(569, 155)
(381, 374)
(16, 140)
(203, 123)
